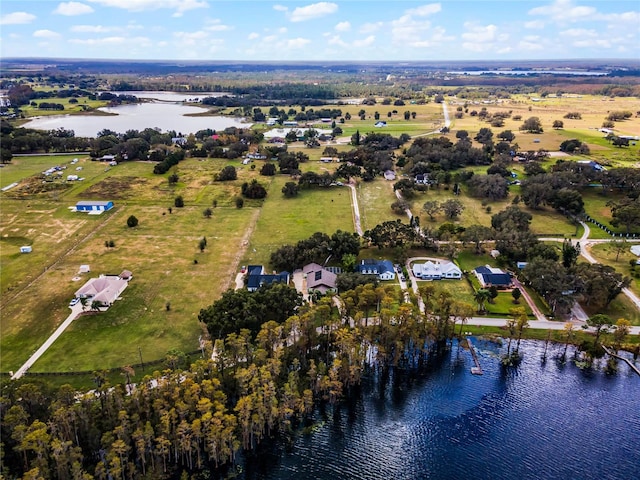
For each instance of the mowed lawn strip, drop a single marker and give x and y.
(161, 252)
(288, 220)
(374, 201)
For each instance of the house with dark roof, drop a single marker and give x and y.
(493, 277)
(319, 279)
(256, 277)
(383, 269)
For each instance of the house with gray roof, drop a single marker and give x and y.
(319, 279)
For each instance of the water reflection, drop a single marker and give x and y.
(165, 116)
(535, 422)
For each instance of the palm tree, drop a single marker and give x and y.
(481, 296)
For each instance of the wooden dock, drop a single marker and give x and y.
(477, 369)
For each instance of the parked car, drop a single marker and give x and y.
(74, 302)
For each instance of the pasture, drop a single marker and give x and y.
(173, 279)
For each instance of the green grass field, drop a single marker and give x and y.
(161, 252)
(288, 220)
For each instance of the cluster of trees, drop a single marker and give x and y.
(26, 140)
(562, 282)
(49, 106)
(168, 161)
(240, 309)
(318, 248)
(253, 190)
(433, 154)
(258, 383)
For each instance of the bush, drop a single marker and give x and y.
(179, 201)
(132, 221)
(227, 173)
(239, 202)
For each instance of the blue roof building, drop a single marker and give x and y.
(493, 277)
(382, 268)
(93, 206)
(256, 277)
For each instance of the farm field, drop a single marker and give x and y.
(159, 309)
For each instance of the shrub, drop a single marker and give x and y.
(132, 221)
(178, 201)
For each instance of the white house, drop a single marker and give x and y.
(436, 270)
(105, 289)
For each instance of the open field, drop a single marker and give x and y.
(288, 220)
(593, 109)
(161, 250)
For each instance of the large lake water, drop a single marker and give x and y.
(540, 421)
(162, 115)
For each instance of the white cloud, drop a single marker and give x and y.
(217, 26)
(45, 34)
(534, 24)
(632, 18)
(100, 41)
(92, 29)
(280, 8)
(479, 38)
(315, 10)
(343, 27)
(270, 38)
(425, 10)
(282, 30)
(579, 32)
(563, 11)
(412, 28)
(365, 42)
(336, 40)
(71, 9)
(17, 18)
(253, 36)
(180, 6)
(296, 43)
(371, 27)
(192, 39)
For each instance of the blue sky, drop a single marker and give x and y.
(356, 30)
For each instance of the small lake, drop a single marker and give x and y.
(165, 116)
(540, 421)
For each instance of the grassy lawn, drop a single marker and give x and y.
(606, 254)
(24, 167)
(288, 220)
(83, 106)
(161, 253)
(374, 200)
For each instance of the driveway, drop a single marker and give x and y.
(75, 311)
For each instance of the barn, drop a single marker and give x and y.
(94, 206)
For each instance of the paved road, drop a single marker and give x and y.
(536, 324)
(75, 311)
(585, 243)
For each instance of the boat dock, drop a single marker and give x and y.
(477, 369)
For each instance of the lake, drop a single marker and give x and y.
(162, 115)
(539, 421)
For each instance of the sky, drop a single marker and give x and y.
(354, 30)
